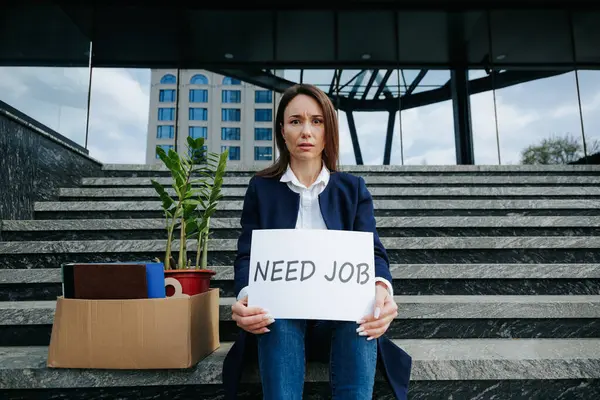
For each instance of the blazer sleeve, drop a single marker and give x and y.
(365, 221)
(249, 221)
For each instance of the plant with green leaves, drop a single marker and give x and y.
(197, 179)
(212, 168)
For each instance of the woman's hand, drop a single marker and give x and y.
(385, 311)
(251, 319)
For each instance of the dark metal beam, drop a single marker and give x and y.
(258, 77)
(334, 80)
(351, 80)
(389, 137)
(354, 138)
(357, 84)
(374, 75)
(504, 79)
(444, 93)
(416, 81)
(461, 106)
(382, 83)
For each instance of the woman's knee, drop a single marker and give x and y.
(284, 332)
(346, 337)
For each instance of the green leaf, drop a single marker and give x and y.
(191, 202)
(167, 201)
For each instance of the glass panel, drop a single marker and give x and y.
(49, 97)
(122, 120)
(532, 112)
(589, 89)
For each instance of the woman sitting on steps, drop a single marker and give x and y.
(305, 180)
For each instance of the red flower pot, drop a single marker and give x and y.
(187, 281)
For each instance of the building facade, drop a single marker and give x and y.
(228, 113)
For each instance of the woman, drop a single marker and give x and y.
(304, 190)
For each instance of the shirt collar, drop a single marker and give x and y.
(289, 176)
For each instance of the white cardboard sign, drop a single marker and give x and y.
(312, 274)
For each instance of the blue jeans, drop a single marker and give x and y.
(282, 358)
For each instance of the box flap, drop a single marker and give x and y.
(204, 324)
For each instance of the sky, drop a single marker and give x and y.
(118, 118)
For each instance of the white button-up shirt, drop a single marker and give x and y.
(309, 212)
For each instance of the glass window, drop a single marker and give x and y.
(263, 134)
(263, 96)
(230, 134)
(231, 114)
(231, 81)
(199, 79)
(198, 96)
(231, 96)
(168, 79)
(165, 132)
(263, 153)
(165, 147)
(196, 132)
(234, 152)
(166, 96)
(263, 115)
(198, 114)
(166, 114)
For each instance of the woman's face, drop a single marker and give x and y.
(304, 128)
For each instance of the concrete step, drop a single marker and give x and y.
(483, 368)
(412, 250)
(233, 208)
(30, 322)
(229, 228)
(390, 243)
(396, 180)
(41, 283)
(132, 169)
(378, 192)
(409, 307)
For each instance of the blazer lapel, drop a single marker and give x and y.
(327, 205)
(288, 205)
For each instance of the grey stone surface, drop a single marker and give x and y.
(466, 359)
(495, 271)
(399, 271)
(409, 307)
(105, 224)
(118, 205)
(490, 204)
(402, 243)
(573, 389)
(394, 168)
(463, 191)
(467, 179)
(34, 165)
(465, 265)
(520, 221)
(20, 276)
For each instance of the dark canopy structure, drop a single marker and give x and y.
(513, 41)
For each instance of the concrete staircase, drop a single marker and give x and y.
(496, 272)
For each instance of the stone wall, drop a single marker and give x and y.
(34, 162)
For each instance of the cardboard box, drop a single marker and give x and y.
(134, 333)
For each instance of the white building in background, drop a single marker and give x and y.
(226, 112)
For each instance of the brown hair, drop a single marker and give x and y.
(331, 150)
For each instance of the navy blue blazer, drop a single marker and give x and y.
(346, 204)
